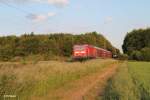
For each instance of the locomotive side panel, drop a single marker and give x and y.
(88, 51)
(91, 52)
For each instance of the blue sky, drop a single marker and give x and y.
(112, 18)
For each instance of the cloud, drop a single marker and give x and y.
(40, 17)
(58, 3)
(36, 18)
(108, 20)
(50, 14)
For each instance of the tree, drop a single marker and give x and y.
(59, 44)
(135, 41)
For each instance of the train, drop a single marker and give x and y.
(86, 51)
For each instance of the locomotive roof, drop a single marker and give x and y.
(101, 49)
(92, 46)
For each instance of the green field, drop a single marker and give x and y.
(132, 82)
(26, 80)
(30, 80)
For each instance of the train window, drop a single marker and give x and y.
(79, 48)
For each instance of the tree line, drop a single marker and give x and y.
(49, 45)
(137, 44)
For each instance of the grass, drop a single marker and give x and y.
(140, 72)
(132, 82)
(37, 79)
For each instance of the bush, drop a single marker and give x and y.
(136, 55)
(143, 55)
(123, 57)
(146, 54)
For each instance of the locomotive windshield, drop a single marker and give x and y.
(79, 48)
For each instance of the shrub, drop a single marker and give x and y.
(136, 55)
(146, 54)
(123, 57)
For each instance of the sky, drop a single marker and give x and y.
(112, 18)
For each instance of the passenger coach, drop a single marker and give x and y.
(89, 51)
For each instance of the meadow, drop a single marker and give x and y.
(34, 80)
(31, 79)
(132, 82)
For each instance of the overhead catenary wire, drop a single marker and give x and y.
(14, 7)
(22, 11)
(8, 4)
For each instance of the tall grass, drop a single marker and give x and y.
(121, 86)
(132, 82)
(37, 79)
(140, 72)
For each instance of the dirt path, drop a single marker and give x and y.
(97, 88)
(86, 88)
(87, 84)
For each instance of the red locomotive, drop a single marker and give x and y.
(89, 51)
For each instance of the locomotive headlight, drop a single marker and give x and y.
(82, 52)
(76, 52)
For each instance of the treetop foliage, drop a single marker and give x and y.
(59, 44)
(137, 44)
